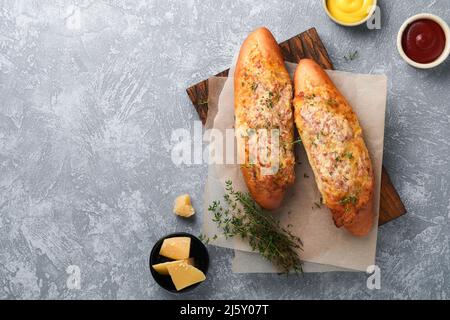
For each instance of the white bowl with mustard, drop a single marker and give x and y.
(349, 13)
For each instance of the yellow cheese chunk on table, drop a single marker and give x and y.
(161, 268)
(176, 248)
(183, 206)
(184, 275)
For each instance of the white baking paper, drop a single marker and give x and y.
(326, 248)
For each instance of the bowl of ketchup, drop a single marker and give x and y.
(424, 41)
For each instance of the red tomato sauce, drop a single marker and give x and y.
(423, 41)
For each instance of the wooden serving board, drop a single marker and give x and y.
(308, 45)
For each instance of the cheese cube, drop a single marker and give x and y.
(161, 268)
(184, 275)
(183, 206)
(176, 248)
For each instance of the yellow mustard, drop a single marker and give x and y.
(349, 11)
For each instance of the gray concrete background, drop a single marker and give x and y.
(86, 116)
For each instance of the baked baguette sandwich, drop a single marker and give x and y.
(263, 111)
(333, 139)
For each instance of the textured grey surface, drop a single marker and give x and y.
(86, 116)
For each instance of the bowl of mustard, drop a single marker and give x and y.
(349, 13)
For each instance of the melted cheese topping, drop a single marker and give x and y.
(265, 95)
(336, 150)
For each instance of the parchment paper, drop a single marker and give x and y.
(326, 248)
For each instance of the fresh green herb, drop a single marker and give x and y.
(348, 155)
(338, 159)
(351, 56)
(242, 217)
(349, 199)
(204, 238)
(298, 141)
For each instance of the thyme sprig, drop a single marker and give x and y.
(353, 199)
(351, 56)
(241, 216)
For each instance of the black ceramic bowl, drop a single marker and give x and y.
(198, 252)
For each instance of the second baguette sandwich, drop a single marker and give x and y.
(333, 140)
(263, 101)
